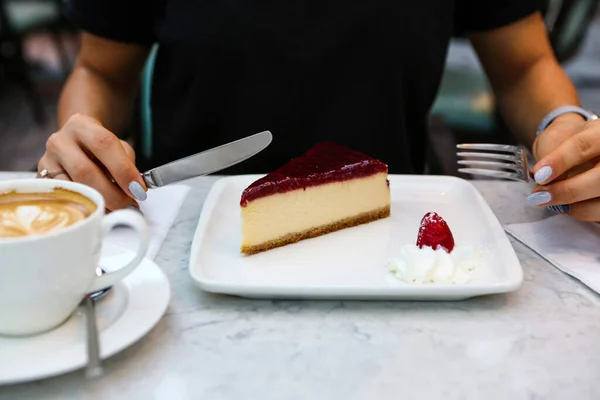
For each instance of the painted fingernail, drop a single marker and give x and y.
(543, 174)
(539, 198)
(137, 191)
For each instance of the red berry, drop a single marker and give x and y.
(434, 232)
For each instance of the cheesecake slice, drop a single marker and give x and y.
(328, 188)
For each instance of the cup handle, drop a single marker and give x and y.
(135, 221)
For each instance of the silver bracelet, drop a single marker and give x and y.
(552, 115)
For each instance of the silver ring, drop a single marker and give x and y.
(44, 174)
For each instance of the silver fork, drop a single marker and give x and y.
(498, 161)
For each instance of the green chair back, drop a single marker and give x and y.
(569, 25)
(146, 108)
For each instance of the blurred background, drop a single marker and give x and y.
(38, 47)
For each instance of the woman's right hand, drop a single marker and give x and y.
(90, 154)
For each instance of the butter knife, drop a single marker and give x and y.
(208, 161)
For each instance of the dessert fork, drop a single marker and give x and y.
(498, 161)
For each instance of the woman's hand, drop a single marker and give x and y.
(90, 154)
(567, 171)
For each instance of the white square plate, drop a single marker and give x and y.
(351, 263)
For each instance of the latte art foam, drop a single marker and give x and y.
(27, 214)
(37, 219)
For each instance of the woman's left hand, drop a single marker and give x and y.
(567, 172)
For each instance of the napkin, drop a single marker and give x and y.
(570, 245)
(160, 210)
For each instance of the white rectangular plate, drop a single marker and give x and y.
(351, 263)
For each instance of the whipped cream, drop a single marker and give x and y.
(428, 266)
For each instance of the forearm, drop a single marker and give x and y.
(87, 92)
(539, 90)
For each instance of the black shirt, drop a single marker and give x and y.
(362, 73)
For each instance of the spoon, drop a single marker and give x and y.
(93, 368)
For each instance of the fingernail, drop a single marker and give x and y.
(543, 174)
(539, 198)
(137, 191)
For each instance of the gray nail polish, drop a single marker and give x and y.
(543, 174)
(137, 191)
(539, 198)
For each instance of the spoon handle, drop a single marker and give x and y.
(93, 368)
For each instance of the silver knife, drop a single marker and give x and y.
(208, 161)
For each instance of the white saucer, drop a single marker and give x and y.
(124, 315)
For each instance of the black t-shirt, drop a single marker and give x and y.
(362, 73)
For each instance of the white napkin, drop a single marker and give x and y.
(572, 246)
(160, 210)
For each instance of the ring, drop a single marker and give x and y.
(44, 174)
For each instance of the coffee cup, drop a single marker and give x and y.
(51, 234)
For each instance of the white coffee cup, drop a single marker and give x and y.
(43, 278)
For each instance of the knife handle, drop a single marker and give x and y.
(146, 176)
(149, 179)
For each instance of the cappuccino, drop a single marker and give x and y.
(51, 236)
(28, 214)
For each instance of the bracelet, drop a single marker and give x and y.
(587, 115)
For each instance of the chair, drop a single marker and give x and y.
(145, 139)
(570, 26)
(19, 18)
(139, 134)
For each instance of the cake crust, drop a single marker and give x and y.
(360, 219)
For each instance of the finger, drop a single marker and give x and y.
(107, 148)
(81, 169)
(588, 210)
(577, 150)
(53, 167)
(581, 187)
(550, 139)
(128, 150)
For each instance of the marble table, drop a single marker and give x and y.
(541, 342)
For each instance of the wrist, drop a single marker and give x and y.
(571, 116)
(564, 113)
(568, 117)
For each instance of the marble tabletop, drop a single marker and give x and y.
(541, 342)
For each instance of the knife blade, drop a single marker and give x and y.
(208, 161)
